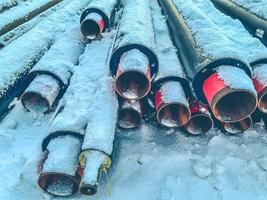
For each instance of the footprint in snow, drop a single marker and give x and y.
(201, 169)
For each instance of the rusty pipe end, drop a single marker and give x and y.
(132, 84)
(199, 124)
(58, 184)
(230, 103)
(129, 118)
(238, 127)
(92, 26)
(262, 101)
(34, 102)
(173, 115)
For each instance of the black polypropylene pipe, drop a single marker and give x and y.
(201, 66)
(255, 24)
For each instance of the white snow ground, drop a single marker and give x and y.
(149, 163)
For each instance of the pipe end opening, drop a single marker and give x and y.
(129, 119)
(34, 102)
(199, 124)
(90, 29)
(238, 127)
(88, 189)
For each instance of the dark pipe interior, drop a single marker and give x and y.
(199, 124)
(88, 189)
(90, 29)
(34, 102)
(238, 127)
(129, 118)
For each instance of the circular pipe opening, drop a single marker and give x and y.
(199, 124)
(133, 85)
(173, 115)
(88, 189)
(129, 119)
(34, 102)
(262, 101)
(57, 184)
(232, 105)
(90, 29)
(238, 127)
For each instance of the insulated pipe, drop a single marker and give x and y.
(96, 18)
(202, 60)
(201, 120)
(50, 79)
(238, 127)
(134, 62)
(13, 79)
(59, 175)
(170, 87)
(248, 13)
(129, 114)
(11, 21)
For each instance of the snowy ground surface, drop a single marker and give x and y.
(149, 163)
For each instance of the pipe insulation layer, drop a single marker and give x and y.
(201, 56)
(251, 13)
(59, 177)
(96, 18)
(75, 108)
(18, 15)
(130, 114)
(238, 127)
(170, 83)
(131, 39)
(15, 68)
(59, 71)
(201, 120)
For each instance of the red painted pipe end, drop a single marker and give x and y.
(92, 26)
(228, 104)
(171, 112)
(238, 127)
(200, 121)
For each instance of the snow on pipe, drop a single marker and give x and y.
(238, 127)
(95, 19)
(22, 17)
(260, 83)
(13, 79)
(59, 176)
(134, 62)
(50, 79)
(201, 120)
(5, 4)
(98, 140)
(129, 114)
(170, 87)
(249, 13)
(229, 100)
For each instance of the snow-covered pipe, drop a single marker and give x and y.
(133, 80)
(5, 4)
(201, 120)
(98, 139)
(50, 79)
(16, 62)
(129, 114)
(172, 107)
(96, 18)
(31, 10)
(251, 13)
(201, 60)
(260, 84)
(59, 175)
(133, 59)
(238, 127)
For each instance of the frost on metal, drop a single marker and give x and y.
(256, 7)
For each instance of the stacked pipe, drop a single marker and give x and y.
(14, 70)
(251, 13)
(50, 80)
(68, 127)
(96, 18)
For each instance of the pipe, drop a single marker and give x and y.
(202, 60)
(50, 79)
(133, 79)
(201, 120)
(260, 83)
(133, 61)
(250, 17)
(23, 16)
(238, 127)
(129, 114)
(59, 175)
(14, 70)
(41, 94)
(96, 18)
